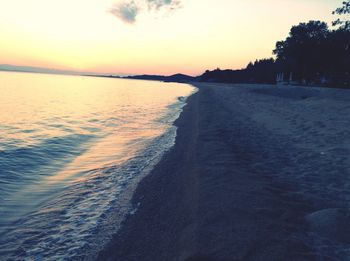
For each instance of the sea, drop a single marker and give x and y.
(72, 151)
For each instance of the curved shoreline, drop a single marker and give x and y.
(146, 197)
(253, 171)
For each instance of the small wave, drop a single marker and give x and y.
(41, 159)
(86, 215)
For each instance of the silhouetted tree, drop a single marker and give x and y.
(343, 10)
(337, 57)
(314, 53)
(261, 71)
(302, 51)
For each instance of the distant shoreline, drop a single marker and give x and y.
(177, 78)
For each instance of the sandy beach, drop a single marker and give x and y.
(257, 173)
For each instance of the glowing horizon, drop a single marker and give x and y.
(98, 36)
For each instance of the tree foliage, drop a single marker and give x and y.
(261, 71)
(312, 51)
(343, 10)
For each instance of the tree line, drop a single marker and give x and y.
(312, 54)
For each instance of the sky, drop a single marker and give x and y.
(149, 36)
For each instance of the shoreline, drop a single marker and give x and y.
(143, 197)
(256, 173)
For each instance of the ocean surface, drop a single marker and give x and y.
(72, 150)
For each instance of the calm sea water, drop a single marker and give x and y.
(72, 150)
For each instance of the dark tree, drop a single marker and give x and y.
(312, 52)
(343, 10)
(337, 57)
(302, 51)
(262, 71)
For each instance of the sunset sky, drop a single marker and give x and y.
(149, 36)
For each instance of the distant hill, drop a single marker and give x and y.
(14, 68)
(182, 78)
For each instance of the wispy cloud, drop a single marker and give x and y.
(125, 11)
(158, 4)
(128, 10)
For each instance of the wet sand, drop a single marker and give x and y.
(257, 173)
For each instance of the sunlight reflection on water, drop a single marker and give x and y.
(70, 147)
